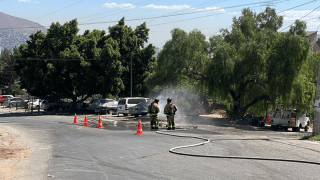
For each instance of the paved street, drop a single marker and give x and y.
(63, 150)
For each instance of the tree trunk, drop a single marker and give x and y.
(73, 108)
(316, 120)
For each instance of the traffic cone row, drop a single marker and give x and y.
(139, 129)
(100, 126)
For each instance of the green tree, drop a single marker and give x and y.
(254, 63)
(180, 66)
(7, 74)
(132, 46)
(69, 65)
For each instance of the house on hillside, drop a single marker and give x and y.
(314, 41)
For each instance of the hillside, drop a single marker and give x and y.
(10, 38)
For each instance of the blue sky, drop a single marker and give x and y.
(208, 16)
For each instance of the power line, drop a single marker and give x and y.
(59, 10)
(303, 17)
(84, 17)
(298, 6)
(117, 12)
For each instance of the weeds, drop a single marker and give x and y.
(310, 137)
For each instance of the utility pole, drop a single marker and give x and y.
(131, 75)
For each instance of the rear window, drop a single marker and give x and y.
(122, 102)
(136, 101)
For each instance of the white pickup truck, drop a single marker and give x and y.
(288, 118)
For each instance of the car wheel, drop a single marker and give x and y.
(125, 114)
(136, 115)
(111, 112)
(295, 129)
(50, 108)
(306, 128)
(37, 107)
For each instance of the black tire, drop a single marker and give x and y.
(125, 114)
(136, 115)
(274, 127)
(285, 128)
(295, 129)
(37, 107)
(50, 108)
(306, 128)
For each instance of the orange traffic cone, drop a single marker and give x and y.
(75, 119)
(139, 129)
(86, 123)
(268, 120)
(100, 126)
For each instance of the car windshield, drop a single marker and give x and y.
(122, 102)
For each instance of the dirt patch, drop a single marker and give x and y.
(11, 152)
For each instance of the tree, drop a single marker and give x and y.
(180, 67)
(69, 65)
(254, 63)
(132, 47)
(7, 74)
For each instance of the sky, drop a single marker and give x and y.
(161, 16)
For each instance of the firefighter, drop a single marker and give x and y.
(170, 110)
(154, 110)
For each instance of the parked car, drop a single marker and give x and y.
(35, 103)
(50, 105)
(140, 109)
(103, 105)
(3, 98)
(125, 103)
(15, 102)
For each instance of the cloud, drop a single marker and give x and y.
(115, 5)
(36, 2)
(24, 1)
(312, 20)
(152, 6)
(207, 9)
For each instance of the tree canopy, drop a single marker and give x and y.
(132, 46)
(254, 63)
(245, 67)
(69, 65)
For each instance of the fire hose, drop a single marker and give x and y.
(174, 151)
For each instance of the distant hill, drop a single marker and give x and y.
(10, 38)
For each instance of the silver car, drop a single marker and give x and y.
(103, 106)
(15, 102)
(140, 109)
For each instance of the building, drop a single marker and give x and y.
(314, 40)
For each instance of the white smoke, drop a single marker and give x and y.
(187, 102)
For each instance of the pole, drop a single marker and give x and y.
(131, 76)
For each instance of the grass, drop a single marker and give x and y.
(311, 137)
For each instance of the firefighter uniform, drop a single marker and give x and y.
(154, 119)
(170, 110)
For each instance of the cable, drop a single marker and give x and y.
(173, 150)
(59, 10)
(303, 17)
(84, 17)
(118, 12)
(299, 5)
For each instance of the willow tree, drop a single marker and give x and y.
(254, 63)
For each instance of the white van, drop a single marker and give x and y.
(125, 103)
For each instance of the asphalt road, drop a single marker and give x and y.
(63, 150)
